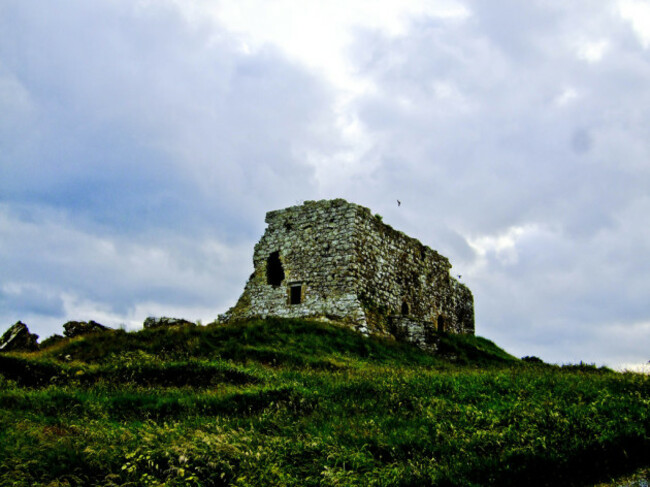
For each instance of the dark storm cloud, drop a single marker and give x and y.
(138, 118)
(137, 150)
(32, 300)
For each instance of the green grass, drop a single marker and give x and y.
(293, 402)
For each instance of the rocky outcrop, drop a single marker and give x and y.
(78, 328)
(152, 322)
(18, 337)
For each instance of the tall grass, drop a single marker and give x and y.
(290, 402)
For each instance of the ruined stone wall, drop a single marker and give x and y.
(398, 276)
(334, 260)
(314, 243)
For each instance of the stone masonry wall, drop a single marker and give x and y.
(334, 260)
(397, 275)
(314, 243)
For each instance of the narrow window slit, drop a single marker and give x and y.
(441, 323)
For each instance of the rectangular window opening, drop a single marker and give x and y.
(295, 296)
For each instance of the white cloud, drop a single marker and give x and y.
(317, 34)
(568, 94)
(593, 51)
(637, 12)
(642, 367)
(503, 245)
(14, 98)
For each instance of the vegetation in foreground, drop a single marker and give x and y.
(292, 402)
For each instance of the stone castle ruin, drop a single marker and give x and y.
(335, 261)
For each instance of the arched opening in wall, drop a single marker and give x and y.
(405, 308)
(441, 323)
(274, 269)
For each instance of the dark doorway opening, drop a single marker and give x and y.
(295, 294)
(274, 270)
(405, 308)
(441, 323)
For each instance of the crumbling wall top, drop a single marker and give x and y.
(311, 206)
(361, 214)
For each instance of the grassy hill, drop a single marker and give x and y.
(293, 402)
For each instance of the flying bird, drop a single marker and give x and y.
(399, 203)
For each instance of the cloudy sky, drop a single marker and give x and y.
(142, 142)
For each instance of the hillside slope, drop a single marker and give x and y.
(293, 402)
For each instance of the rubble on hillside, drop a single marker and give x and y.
(77, 328)
(152, 322)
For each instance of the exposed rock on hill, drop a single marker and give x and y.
(152, 322)
(77, 328)
(18, 337)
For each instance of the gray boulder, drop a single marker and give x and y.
(152, 322)
(78, 328)
(18, 337)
